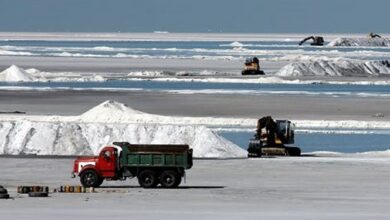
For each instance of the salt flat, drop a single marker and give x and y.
(266, 188)
(215, 105)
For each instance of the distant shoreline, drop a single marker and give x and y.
(157, 36)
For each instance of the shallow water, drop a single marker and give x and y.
(213, 88)
(310, 142)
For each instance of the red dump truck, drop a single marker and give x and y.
(151, 164)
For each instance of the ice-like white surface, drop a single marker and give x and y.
(336, 67)
(71, 138)
(354, 42)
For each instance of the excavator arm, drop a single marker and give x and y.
(317, 40)
(306, 39)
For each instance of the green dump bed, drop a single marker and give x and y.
(134, 155)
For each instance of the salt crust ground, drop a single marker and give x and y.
(266, 188)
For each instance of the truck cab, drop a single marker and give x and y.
(97, 168)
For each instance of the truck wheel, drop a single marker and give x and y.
(90, 178)
(169, 179)
(147, 179)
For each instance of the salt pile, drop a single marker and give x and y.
(16, 74)
(236, 44)
(108, 122)
(337, 67)
(69, 138)
(115, 112)
(366, 42)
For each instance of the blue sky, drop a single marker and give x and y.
(226, 16)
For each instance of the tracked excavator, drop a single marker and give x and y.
(252, 67)
(372, 35)
(272, 137)
(317, 41)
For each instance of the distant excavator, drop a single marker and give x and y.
(271, 138)
(372, 35)
(317, 41)
(252, 67)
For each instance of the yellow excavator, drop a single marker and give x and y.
(252, 67)
(272, 137)
(316, 41)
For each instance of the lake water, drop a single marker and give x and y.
(333, 90)
(310, 142)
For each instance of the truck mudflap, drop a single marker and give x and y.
(190, 159)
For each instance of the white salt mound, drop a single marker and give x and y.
(104, 124)
(115, 112)
(70, 138)
(335, 68)
(365, 42)
(236, 44)
(16, 74)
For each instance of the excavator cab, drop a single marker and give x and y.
(285, 129)
(317, 41)
(272, 137)
(252, 67)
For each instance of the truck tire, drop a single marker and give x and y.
(25, 189)
(100, 181)
(90, 178)
(4, 196)
(178, 181)
(169, 179)
(147, 179)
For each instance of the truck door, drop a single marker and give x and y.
(108, 162)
